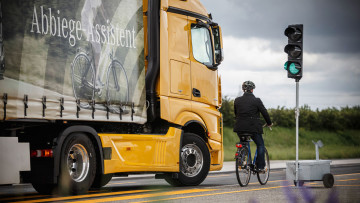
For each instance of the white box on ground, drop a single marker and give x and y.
(14, 157)
(309, 170)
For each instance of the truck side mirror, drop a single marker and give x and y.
(218, 45)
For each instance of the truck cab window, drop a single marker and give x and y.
(201, 45)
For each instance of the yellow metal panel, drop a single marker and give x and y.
(136, 152)
(164, 55)
(205, 80)
(178, 37)
(215, 145)
(189, 5)
(180, 79)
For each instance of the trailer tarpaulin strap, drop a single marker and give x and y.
(90, 51)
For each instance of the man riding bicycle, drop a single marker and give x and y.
(247, 109)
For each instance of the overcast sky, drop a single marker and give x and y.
(254, 40)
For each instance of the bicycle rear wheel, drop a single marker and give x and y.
(243, 172)
(263, 177)
(83, 78)
(117, 90)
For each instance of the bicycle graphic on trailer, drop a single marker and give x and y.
(84, 81)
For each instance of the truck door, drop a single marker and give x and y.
(180, 85)
(204, 77)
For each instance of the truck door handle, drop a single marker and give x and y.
(196, 92)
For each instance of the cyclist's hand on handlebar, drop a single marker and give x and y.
(267, 125)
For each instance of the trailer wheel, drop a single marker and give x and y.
(101, 180)
(194, 162)
(77, 165)
(301, 183)
(328, 180)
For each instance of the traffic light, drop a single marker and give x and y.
(294, 49)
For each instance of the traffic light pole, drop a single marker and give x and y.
(297, 114)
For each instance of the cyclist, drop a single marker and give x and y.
(247, 109)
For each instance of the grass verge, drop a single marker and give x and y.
(281, 144)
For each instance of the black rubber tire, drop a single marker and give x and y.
(301, 183)
(45, 189)
(184, 180)
(328, 180)
(101, 180)
(263, 180)
(66, 184)
(240, 163)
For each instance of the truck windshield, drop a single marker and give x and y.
(201, 45)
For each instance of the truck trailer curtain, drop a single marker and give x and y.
(72, 60)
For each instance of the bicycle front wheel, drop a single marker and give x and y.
(117, 90)
(263, 176)
(243, 172)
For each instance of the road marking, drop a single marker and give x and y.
(348, 174)
(178, 192)
(84, 196)
(23, 197)
(273, 181)
(211, 194)
(347, 185)
(348, 180)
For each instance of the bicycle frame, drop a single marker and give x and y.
(255, 156)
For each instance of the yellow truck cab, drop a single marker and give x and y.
(121, 91)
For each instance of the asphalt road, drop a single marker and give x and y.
(218, 187)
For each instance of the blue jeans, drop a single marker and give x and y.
(259, 141)
(260, 159)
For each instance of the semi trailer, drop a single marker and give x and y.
(90, 89)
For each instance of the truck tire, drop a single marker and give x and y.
(101, 180)
(194, 162)
(77, 164)
(45, 189)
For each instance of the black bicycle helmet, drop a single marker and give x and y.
(248, 86)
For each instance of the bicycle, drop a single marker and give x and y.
(84, 85)
(245, 165)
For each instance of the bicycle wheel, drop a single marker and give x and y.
(243, 172)
(263, 177)
(117, 90)
(83, 78)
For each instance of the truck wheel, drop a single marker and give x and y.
(328, 180)
(77, 165)
(194, 162)
(101, 180)
(45, 189)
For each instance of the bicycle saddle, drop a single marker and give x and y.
(245, 137)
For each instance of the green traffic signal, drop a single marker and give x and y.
(286, 65)
(293, 68)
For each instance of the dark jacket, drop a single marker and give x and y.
(247, 109)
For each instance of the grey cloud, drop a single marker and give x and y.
(330, 26)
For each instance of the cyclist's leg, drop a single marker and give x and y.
(260, 159)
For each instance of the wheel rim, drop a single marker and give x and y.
(78, 162)
(192, 160)
(243, 168)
